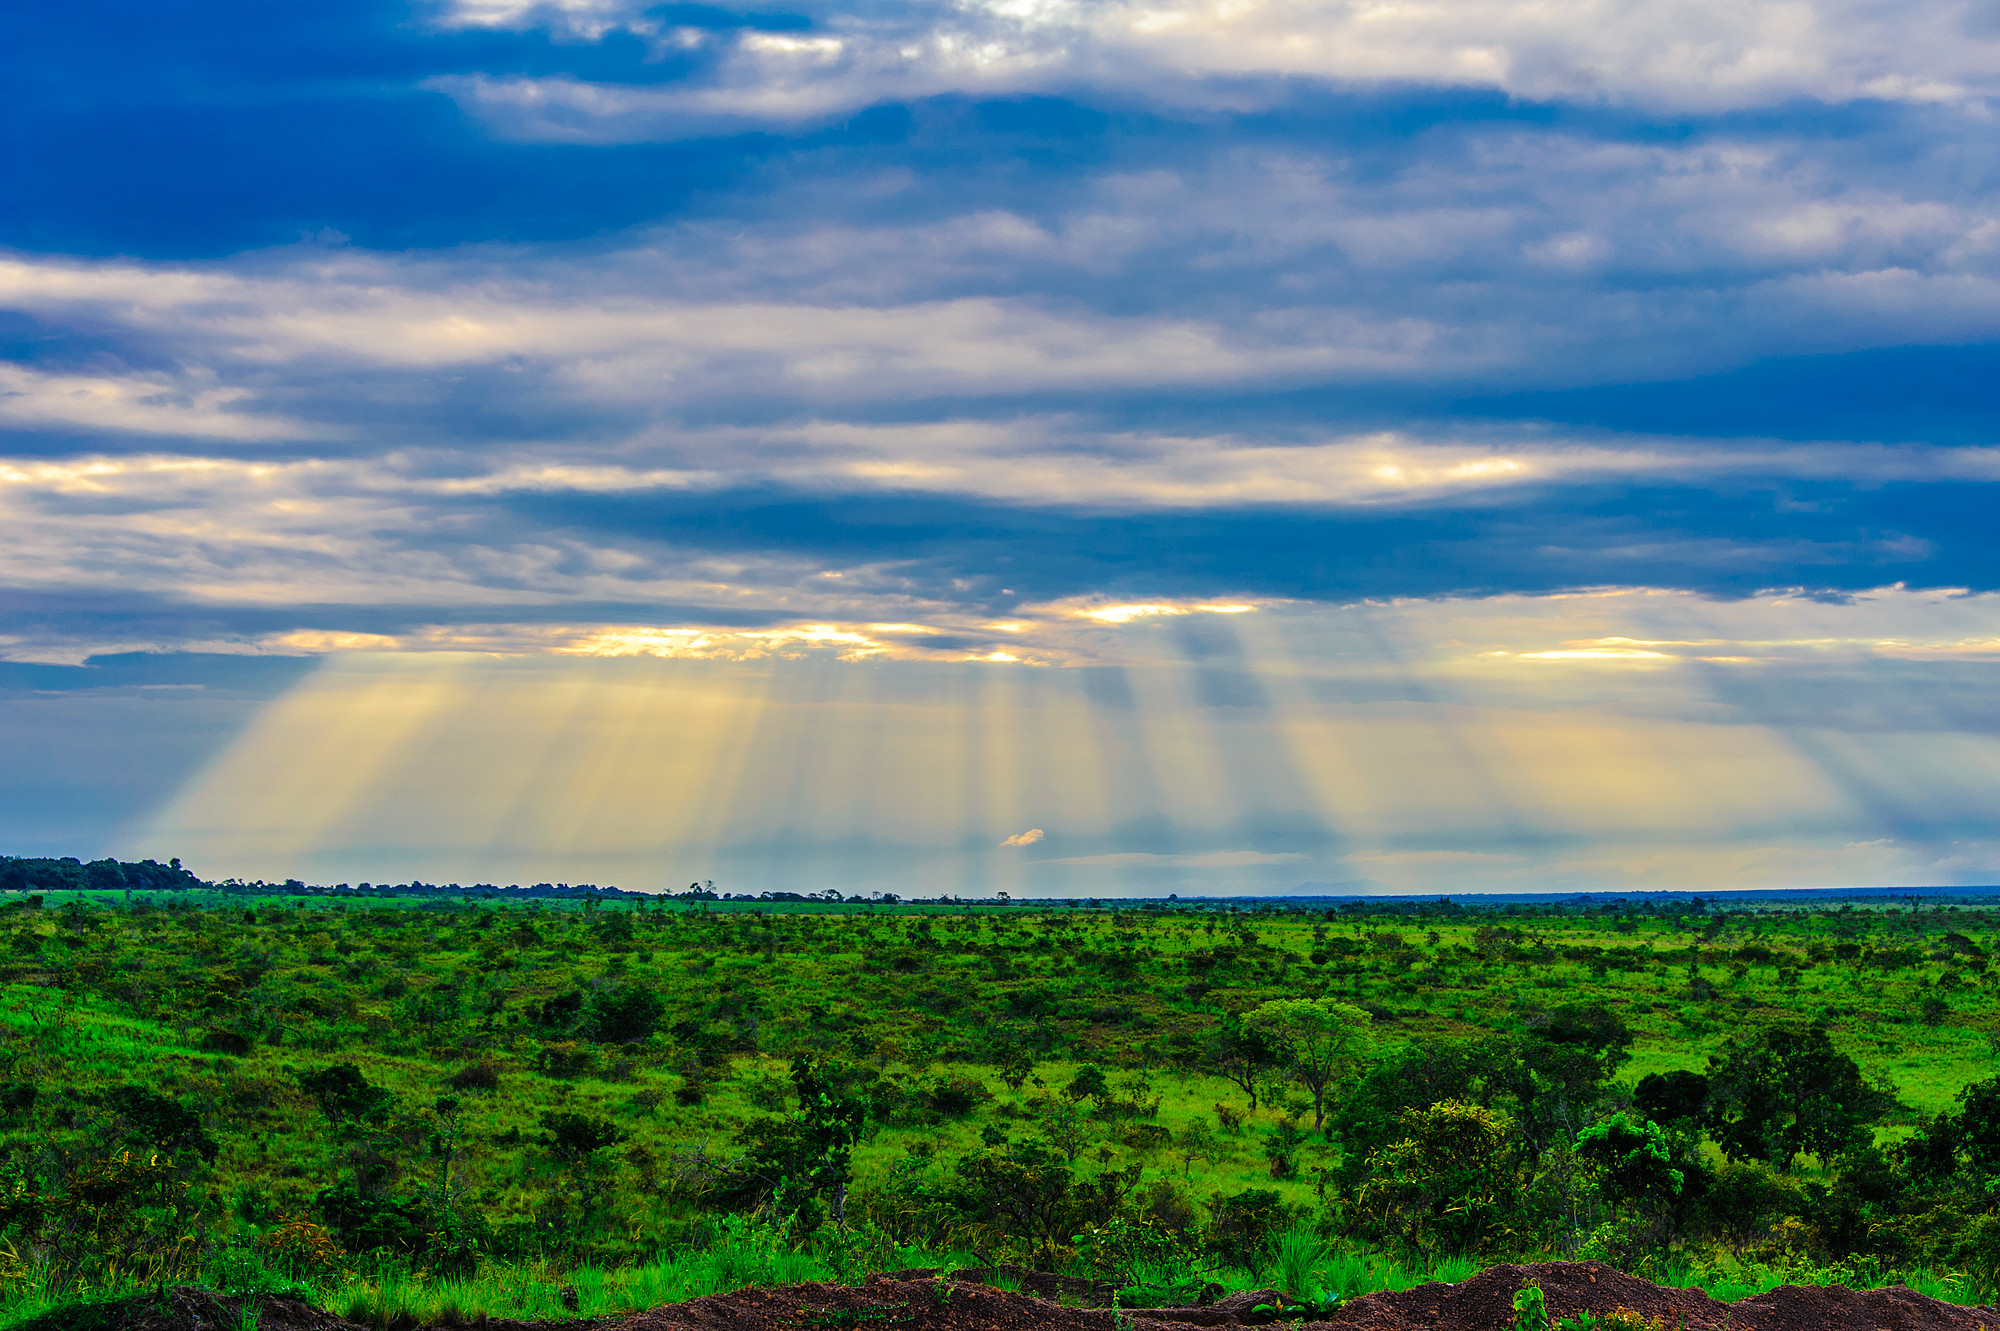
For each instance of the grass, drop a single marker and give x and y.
(912, 993)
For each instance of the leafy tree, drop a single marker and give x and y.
(156, 1121)
(1447, 1184)
(1026, 1196)
(1245, 1055)
(1242, 1226)
(1591, 1027)
(1979, 1124)
(1015, 1065)
(367, 1222)
(1676, 1099)
(1320, 1041)
(1088, 1084)
(1785, 1091)
(345, 1096)
(1632, 1160)
(799, 1164)
(625, 1013)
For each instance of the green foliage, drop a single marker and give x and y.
(1319, 1040)
(1447, 1183)
(1785, 1091)
(1531, 1312)
(308, 1042)
(624, 1013)
(345, 1097)
(1633, 1160)
(1242, 1226)
(154, 1122)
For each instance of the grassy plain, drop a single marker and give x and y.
(221, 1002)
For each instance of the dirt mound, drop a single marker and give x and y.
(927, 1301)
(1485, 1303)
(185, 1308)
(884, 1302)
(923, 1301)
(1832, 1308)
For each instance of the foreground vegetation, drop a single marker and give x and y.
(435, 1104)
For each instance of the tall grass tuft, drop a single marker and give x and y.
(1295, 1260)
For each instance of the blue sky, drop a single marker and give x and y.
(1487, 417)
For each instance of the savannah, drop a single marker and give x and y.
(408, 1104)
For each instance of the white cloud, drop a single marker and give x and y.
(136, 404)
(1027, 838)
(1683, 55)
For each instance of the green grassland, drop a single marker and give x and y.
(965, 1032)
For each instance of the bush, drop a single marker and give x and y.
(475, 1077)
(955, 1097)
(345, 1096)
(625, 1014)
(1240, 1228)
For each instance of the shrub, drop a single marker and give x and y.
(345, 1096)
(955, 1097)
(565, 1059)
(1241, 1227)
(625, 1014)
(475, 1077)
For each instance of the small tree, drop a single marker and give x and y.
(1447, 1185)
(624, 1014)
(345, 1096)
(1320, 1040)
(1246, 1055)
(1632, 1161)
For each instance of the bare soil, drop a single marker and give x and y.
(954, 1301)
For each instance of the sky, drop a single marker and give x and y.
(1060, 448)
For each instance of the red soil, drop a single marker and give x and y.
(923, 1301)
(930, 1301)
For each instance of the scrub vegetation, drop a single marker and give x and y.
(439, 1106)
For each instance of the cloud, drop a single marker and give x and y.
(154, 405)
(1027, 838)
(1689, 55)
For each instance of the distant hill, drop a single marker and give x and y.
(1350, 887)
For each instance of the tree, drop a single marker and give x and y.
(1447, 1184)
(1320, 1041)
(791, 1164)
(345, 1096)
(1632, 1161)
(1026, 1195)
(1786, 1091)
(625, 1014)
(1088, 1084)
(1675, 1100)
(1245, 1055)
(156, 1121)
(1015, 1064)
(1591, 1027)
(1979, 1124)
